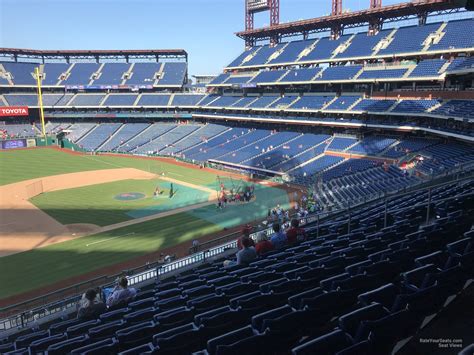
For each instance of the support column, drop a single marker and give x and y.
(422, 18)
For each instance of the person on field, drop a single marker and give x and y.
(121, 293)
(90, 306)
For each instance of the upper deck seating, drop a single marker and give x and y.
(457, 34)
(81, 74)
(291, 52)
(173, 74)
(409, 39)
(363, 45)
(262, 55)
(52, 73)
(143, 73)
(21, 73)
(112, 74)
(324, 48)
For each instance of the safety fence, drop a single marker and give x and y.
(25, 314)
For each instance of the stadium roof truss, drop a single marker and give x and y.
(16, 54)
(391, 13)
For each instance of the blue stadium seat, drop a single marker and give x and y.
(60, 327)
(106, 330)
(136, 334)
(351, 322)
(40, 345)
(148, 348)
(174, 318)
(81, 328)
(66, 346)
(114, 314)
(140, 315)
(383, 333)
(326, 344)
(24, 340)
(184, 339)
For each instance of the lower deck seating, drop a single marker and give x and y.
(358, 291)
(18, 130)
(364, 184)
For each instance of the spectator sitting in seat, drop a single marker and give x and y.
(263, 244)
(90, 306)
(244, 256)
(278, 238)
(245, 234)
(295, 234)
(121, 293)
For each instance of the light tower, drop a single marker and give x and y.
(254, 6)
(336, 31)
(375, 25)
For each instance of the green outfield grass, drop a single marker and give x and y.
(97, 204)
(36, 268)
(40, 267)
(19, 165)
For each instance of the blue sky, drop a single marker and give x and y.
(204, 28)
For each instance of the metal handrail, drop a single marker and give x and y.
(162, 270)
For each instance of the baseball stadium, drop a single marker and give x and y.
(315, 196)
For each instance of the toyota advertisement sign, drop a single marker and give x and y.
(13, 111)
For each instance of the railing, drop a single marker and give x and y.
(156, 270)
(159, 270)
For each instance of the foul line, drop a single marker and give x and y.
(106, 240)
(103, 161)
(172, 173)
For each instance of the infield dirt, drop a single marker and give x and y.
(24, 226)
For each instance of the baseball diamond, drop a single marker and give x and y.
(307, 188)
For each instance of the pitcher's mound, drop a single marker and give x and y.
(129, 196)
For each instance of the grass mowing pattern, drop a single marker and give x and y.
(19, 165)
(40, 267)
(44, 266)
(96, 204)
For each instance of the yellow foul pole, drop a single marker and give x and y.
(40, 101)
